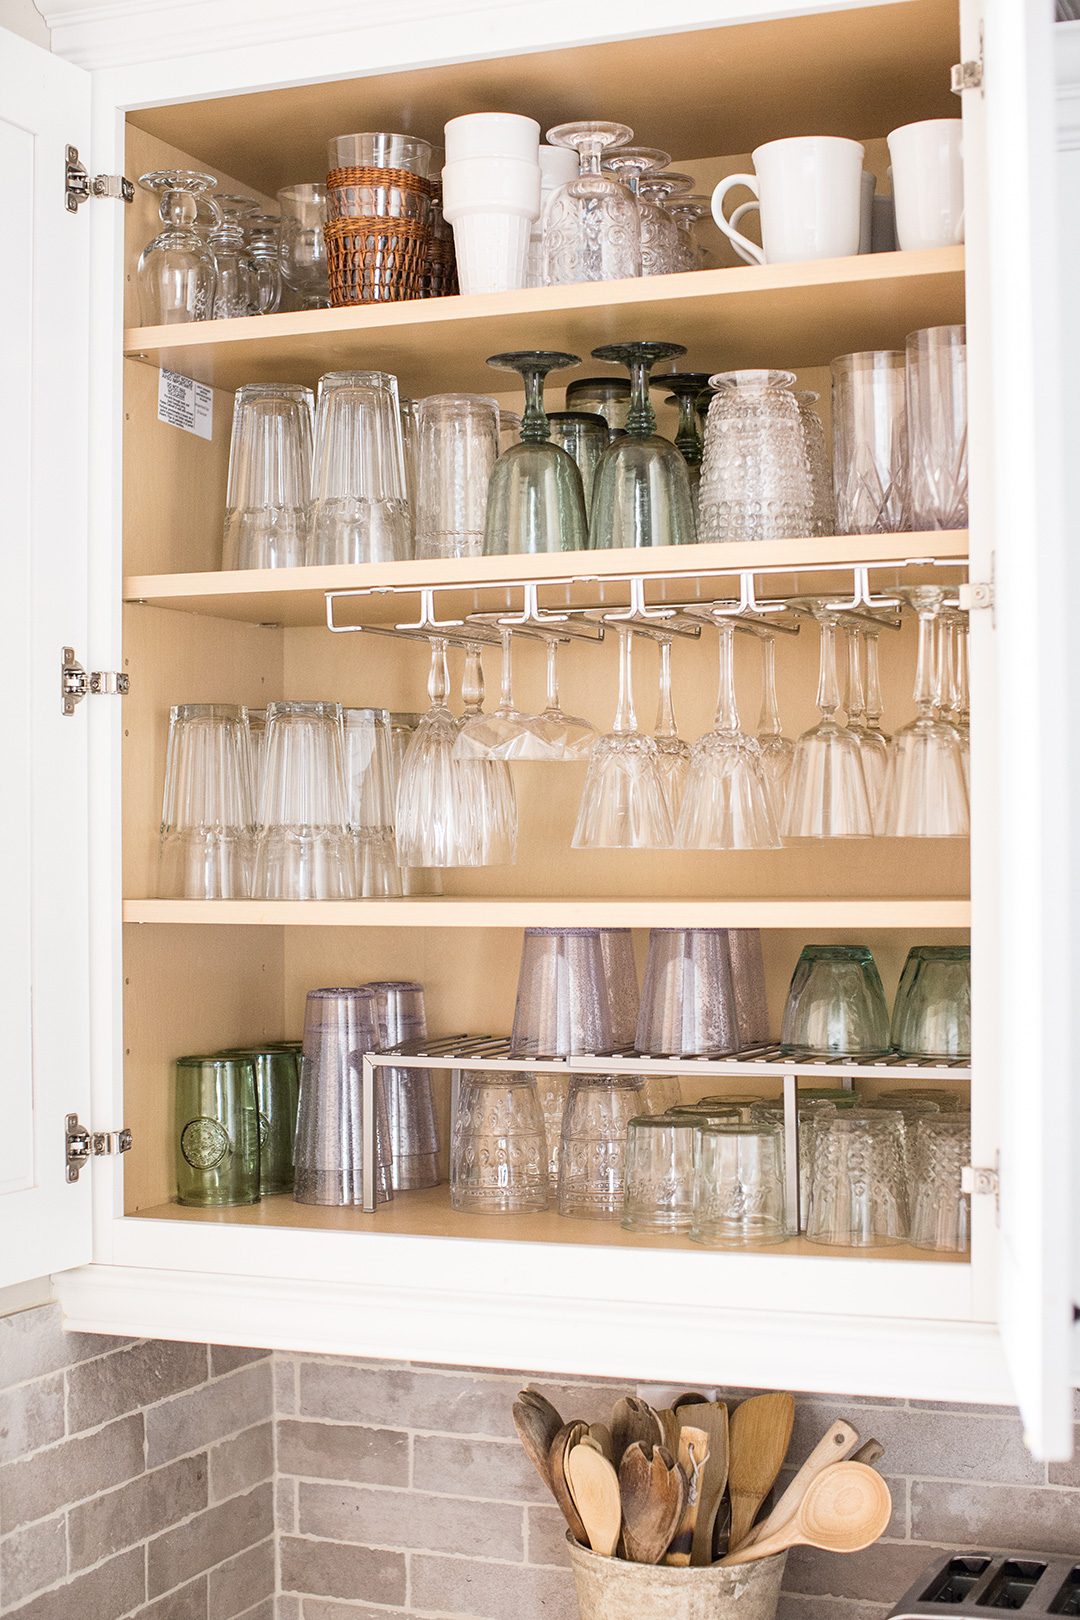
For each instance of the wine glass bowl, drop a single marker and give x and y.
(536, 499)
(641, 488)
(592, 229)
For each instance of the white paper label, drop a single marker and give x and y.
(186, 404)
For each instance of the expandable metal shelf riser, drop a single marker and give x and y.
(457, 1052)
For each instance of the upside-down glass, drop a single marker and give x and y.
(858, 1197)
(620, 976)
(686, 210)
(340, 1025)
(208, 812)
(236, 292)
(810, 1109)
(836, 1005)
(379, 149)
(303, 849)
(688, 1002)
(748, 972)
(360, 511)
(739, 1186)
(940, 1209)
(932, 1011)
(925, 792)
(659, 1176)
(827, 795)
(777, 751)
(262, 233)
(591, 227)
(177, 271)
(563, 1006)
(410, 1102)
(257, 755)
(369, 802)
(937, 427)
(727, 802)
(303, 245)
(870, 442)
(509, 429)
(873, 746)
(552, 1090)
(457, 446)
(686, 387)
(414, 879)
(217, 1132)
(659, 233)
(487, 787)
(555, 734)
(755, 476)
(535, 499)
(498, 1151)
(583, 436)
(277, 1092)
(592, 1154)
(823, 515)
(268, 504)
(623, 804)
(608, 397)
(504, 733)
(641, 489)
(911, 1110)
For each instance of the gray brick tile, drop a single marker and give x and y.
(36, 1486)
(378, 1518)
(795, 1607)
(187, 1602)
(226, 1358)
(922, 1444)
(404, 1398)
(284, 1385)
(1067, 1473)
(327, 1569)
(105, 1593)
(343, 1451)
(288, 1607)
(33, 1343)
(546, 1537)
(208, 1539)
(136, 1511)
(285, 1490)
(328, 1609)
(880, 1574)
(242, 1462)
(31, 1559)
(491, 1591)
(145, 1373)
(242, 1582)
(198, 1418)
(31, 1416)
(494, 1469)
(995, 1517)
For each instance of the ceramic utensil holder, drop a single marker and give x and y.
(614, 1589)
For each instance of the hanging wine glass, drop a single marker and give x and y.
(674, 753)
(641, 489)
(591, 226)
(827, 796)
(955, 703)
(686, 210)
(177, 272)
(558, 735)
(623, 804)
(505, 733)
(434, 813)
(777, 751)
(237, 290)
(659, 233)
(487, 785)
(925, 795)
(874, 705)
(536, 501)
(872, 745)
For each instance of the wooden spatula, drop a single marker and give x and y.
(567, 1437)
(712, 1417)
(594, 1485)
(652, 1489)
(845, 1509)
(634, 1420)
(835, 1444)
(693, 1453)
(758, 1435)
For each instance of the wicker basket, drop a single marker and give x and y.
(376, 235)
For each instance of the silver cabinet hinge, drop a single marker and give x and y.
(976, 596)
(966, 76)
(81, 1145)
(75, 683)
(981, 1182)
(79, 187)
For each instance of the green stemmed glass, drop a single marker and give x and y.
(641, 488)
(686, 387)
(536, 501)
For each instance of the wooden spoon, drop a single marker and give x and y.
(693, 1454)
(567, 1437)
(602, 1435)
(845, 1509)
(758, 1436)
(834, 1445)
(712, 1417)
(536, 1430)
(871, 1451)
(670, 1425)
(634, 1420)
(652, 1488)
(691, 1398)
(594, 1485)
(533, 1398)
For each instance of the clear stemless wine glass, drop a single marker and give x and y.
(727, 803)
(777, 751)
(674, 754)
(641, 490)
(873, 747)
(686, 210)
(536, 502)
(583, 436)
(177, 270)
(237, 290)
(925, 795)
(303, 246)
(827, 795)
(591, 226)
(623, 804)
(659, 233)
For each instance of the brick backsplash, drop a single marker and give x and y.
(157, 1481)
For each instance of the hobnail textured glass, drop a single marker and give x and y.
(836, 1005)
(688, 1004)
(360, 511)
(591, 225)
(659, 1187)
(937, 427)
(739, 1187)
(592, 1155)
(268, 504)
(563, 1007)
(456, 449)
(755, 477)
(870, 444)
(940, 1209)
(498, 1152)
(823, 518)
(208, 812)
(932, 1011)
(858, 1196)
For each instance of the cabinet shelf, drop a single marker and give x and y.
(780, 315)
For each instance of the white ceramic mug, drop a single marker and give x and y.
(810, 195)
(928, 183)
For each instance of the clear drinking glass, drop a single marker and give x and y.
(379, 149)
(303, 245)
(641, 489)
(277, 1093)
(870, 442)
(268, 505)
(583, 436)
(591, 225)
(827, 795)
(509, 430)
(552, 1090)
(836, 1005)
(303, 849)
(932, 1012)
(410, 1102)
(911, 1111)
(563, 1006)
(262, 233)
(673, 753)
(620, 976)
(925, 792)
(823, 517)
(177, 271)
(659, 233)
(623, 804)
(727, 802)
(217, 1132)
(340, 1025)
(659, 1175)
(457, 447)
(739, 1186)
(858, 1198)
(756, 482)
(369, 802)
(810, 1109)
(748, 972)
(940, 1209)
(592, 1154)
(498, 1153)
(937, 427)
(360, 512)
(257, 756)
(608, 397)
(777, 751)
(688, 1003)
(236, 292)
(208, 814)
(536, 502)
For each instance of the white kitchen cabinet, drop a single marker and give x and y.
(416, 1281)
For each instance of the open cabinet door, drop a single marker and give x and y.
(44, 306)
(1022, 920)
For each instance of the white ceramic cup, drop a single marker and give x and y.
(928, 183)
(491, 249)
(810, 195)
(560, 164)
(491, 135)
(491, 183)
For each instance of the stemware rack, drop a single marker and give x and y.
(457, 1052)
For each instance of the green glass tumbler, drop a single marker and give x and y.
(217, 1132)
(836, 1006)
(932, 1012)
(277, 1096)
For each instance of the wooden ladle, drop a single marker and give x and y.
(845, 1508)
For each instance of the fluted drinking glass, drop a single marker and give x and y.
(208, 814)
(268, 504)
(360, 511)
(870, 442)
(303, 848)
(457, 447)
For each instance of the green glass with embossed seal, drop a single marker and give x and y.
(217, 1132)
(277, 1093)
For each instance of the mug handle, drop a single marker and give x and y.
(747, 250)
(737, 217)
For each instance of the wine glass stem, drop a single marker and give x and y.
(727, 713)
(506, 700)
(472, 684)
(438, 679)
(688, 438)
(962, 699)
(640, 418)
(535, 427)
(873, 679)
(924, 669)
(828, 696)
(589, 154)
(625, 718)
(769, 724)
(665, 713)
(553, 674)
(855, 702)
